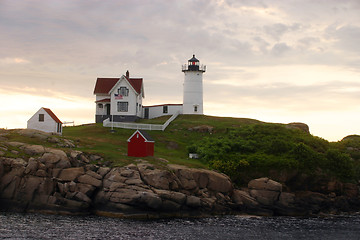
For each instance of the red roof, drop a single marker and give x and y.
(136, 83)
(52, 115)
(104, 85)
(103, 100)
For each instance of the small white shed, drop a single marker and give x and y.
(45, 120)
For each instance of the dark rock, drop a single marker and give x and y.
(85, 188)
(26, 191)
(297, 125)
(32, 166)
(82, 197)
(219, 182)
(351, 190)
(33, 149)
(53, 140)
(193, 201)
(168, 205)
(41, 173)
(93, 174)
(172, 196)
(63, 163)
(50, 159)
(286, 199)
(87, 179)
(102, 171)
(155, 177)
(243, 198)
(202, 128)
(265, 197)
(151, 200)
(70, 174)
(265, 184)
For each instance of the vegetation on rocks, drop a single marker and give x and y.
(262, 148)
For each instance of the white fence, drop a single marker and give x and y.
(140, 126)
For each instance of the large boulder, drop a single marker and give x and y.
(298, 125)
(87, 179)
(193, 201)
(265, 190)
(32, 166)
(50, 159)
(150, 199)
(157, 178)
(265, 197)
(192, 179)
(32, 133)
(265, 184)
(243, 198)
(177, 197)
(185, 176)
(219, 182)
(286, 199)
(27, 189)
(33, 149)
(71, 174)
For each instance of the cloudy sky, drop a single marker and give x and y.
(272, 60)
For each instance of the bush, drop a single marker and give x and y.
(340, 164)
(260, 148)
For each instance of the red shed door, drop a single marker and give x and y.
(137, 146)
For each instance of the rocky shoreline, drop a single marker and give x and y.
(50, 180)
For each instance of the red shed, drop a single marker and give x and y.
(140, 144)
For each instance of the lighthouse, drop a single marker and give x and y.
(193, 86)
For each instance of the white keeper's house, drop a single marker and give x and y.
(121, 99)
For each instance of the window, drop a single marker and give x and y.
(195, 108)
(124, 91)
(122, 106)
(41, 117)
(59, 127)
(100, 105)
(165, 109)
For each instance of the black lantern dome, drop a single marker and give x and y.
(193, 65)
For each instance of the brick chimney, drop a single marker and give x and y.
(127, 74)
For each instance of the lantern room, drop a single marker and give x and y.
(193, 65)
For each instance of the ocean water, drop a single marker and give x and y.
(37, 226)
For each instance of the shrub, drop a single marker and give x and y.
(340, 164)
(260, 148)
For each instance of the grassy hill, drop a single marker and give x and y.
(241, 148)
(170, 145)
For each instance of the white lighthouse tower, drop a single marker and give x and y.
(193, 87)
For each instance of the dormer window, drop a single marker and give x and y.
(124, 91)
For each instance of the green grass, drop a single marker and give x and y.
(170, 144)
(238, 147)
